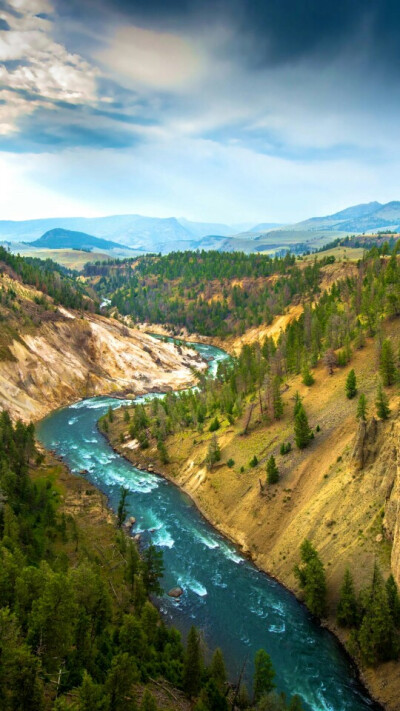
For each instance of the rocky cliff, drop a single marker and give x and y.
(70, 357)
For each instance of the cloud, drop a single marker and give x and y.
(34, 64)
(158, 60)
(211, 107)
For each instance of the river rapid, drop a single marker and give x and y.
(236, 606)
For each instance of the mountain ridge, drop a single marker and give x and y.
(155, 234)
(60, 238)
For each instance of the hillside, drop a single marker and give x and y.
(341, 491)
(59, 238)
(210, 293)
(53, 352)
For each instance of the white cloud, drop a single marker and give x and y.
(157, 60)
(45, 69)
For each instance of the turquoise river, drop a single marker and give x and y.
(238, 607)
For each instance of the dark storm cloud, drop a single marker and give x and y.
(269, 31)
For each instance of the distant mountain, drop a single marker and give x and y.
(68, 239)
(136, 231)
(359, 218)
(204, 229)
(154, 234)
(264, 226)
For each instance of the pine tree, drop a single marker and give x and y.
(308, 378)
(382, 403)
(122, 508)
(215, 425)
(152, 569)
(295, 704)
(193, 664)
(351, 385)
(139, 593)
(393, 599)
(297, 403)
(272, 471)
(302, 430)
(387, 367)
(217, 669)
(120, 679)
(362, 408)
(264, 674)
(376, 637)
(148, 702)
(347, 610)
(92, 696)
(311, 576)
(213, 452)
(277, 404)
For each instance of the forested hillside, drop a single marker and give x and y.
(210, 293)
(294, 428)
(49, 278)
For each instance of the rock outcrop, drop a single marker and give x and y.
(365, 445)
(72, 357)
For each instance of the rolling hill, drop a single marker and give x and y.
(60, 238)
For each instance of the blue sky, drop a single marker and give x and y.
(239, 111)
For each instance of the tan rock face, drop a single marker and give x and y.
(76, 357)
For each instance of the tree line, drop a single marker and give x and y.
(48, 277)
(372, 615)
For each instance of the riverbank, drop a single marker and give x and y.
(205, 490)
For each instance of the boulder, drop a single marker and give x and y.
(176, 592)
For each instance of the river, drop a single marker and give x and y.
(238, 607)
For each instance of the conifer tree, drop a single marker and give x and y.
(122, 508)
(393, 599)
(382, 403)
(302, 430)
(347, 610)
(387, 367)
(362, 408)
(148, 702)
(217, 669)
(308, 378)
(311, 576)
(277, 404)
(139, 593)
(295, 704)
(122, 675)
(272, 471)
(264, 674)
(351, 385)
(152, 569)
(92, 696)
(297, 403)
(193, 664)
(376, 637)
(213, 452)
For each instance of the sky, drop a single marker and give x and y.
(238, 111)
